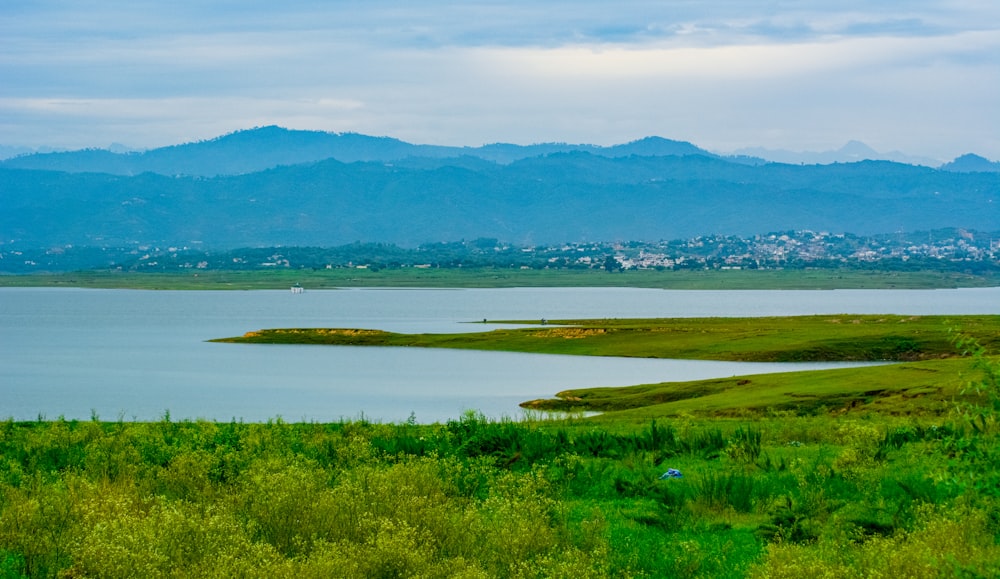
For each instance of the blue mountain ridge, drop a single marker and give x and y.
(263, 148)
(561, 196)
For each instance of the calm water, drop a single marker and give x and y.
(138, 354)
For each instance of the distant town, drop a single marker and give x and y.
(941, 250)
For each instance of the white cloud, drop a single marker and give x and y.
(736, 62)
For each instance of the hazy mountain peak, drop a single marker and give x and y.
(971, 163)
(654, 146)
(859, 150)
(655, 140)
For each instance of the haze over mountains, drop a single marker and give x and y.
(851, 152)
(270, 146)
(267, 147)
(272, 186)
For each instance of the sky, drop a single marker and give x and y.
(917, 76)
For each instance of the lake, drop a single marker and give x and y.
(136, 355)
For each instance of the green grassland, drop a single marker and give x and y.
(925, 389)
(832, 495)
(764, 339)
(499, 278)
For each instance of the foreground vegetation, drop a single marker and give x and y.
(504, 277)
(832, 495)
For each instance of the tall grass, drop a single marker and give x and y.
(482, 498)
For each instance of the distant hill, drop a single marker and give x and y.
(264, 148)
(577, 195)
(970, 163)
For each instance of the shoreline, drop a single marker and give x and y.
(497, 278)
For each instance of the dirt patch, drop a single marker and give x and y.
(569, 333)
(346, 332)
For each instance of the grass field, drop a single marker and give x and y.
(761, 339)
(924, 388)
(498, 278)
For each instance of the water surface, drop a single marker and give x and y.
(138, 354)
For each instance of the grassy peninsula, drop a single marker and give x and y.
(926, 381)
(757, 339)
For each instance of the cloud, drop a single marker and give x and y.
(751, 61)
(721, 73)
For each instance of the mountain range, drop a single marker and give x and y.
(271, 186)
(268, 147)
(265, 147)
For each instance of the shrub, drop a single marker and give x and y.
(947, 543)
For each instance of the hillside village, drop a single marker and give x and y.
(796, 249)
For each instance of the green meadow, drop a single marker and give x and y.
(876, 471)
(765, 339)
